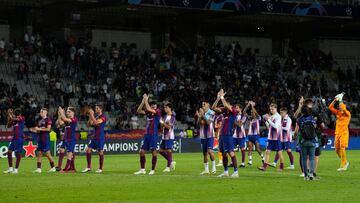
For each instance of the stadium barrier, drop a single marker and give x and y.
(129, 142)
(354, 143)
(132, 146)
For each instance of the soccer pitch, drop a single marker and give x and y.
(118, 184)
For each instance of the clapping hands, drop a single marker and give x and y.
(221, 93)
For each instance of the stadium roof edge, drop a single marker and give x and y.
(21, 3)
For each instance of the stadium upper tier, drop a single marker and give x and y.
(346, 2)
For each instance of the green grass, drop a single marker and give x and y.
(118, 184)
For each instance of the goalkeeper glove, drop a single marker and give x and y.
(340, 97)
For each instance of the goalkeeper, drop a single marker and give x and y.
(343, 117)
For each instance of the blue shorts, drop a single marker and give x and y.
(166, 144)
(285, 145)
(226, 144)
(254, 138)
(96, 144)
(16, 145)
(207, 144)
(43, 146)
(70, 146)
(62, 144)
(239, 142)
(149, 142)
(273, 145)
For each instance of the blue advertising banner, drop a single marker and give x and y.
(132, 146)
(258, 6)
(354, 143)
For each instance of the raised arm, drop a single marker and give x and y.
(62, 115)
(198, 117)
(215, 104)
(147, 105)
(246, 107)
(332, 108)
(59, 122)
(296, 131)
(89, 122)
(298, 110)
(218, 125)
(140, 109)
(254, 110)
(11, 118)
(224, 102)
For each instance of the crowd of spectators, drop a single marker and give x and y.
(10, 98)
(184, 76)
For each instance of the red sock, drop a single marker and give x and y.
(169, 158)
(153, 162)
(61, 157)
(242, 156)
(225, 162)
(72, 166)
(276, 158)
(68, 165)
(101, 161)
(142, 162)
(9, 156)
(18, 158)
(88, 159)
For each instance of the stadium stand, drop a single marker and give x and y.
(46, 72)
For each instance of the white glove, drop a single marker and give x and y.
(340, 97)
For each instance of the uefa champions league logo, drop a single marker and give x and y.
(348, 11)
(176, 146)
(269, 7)
(186, 3)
